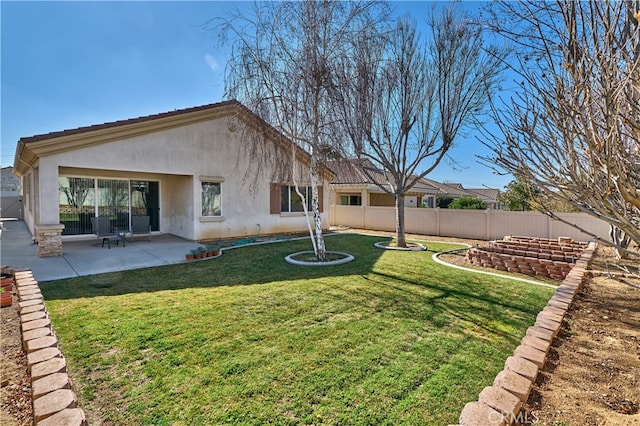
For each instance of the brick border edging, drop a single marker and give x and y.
(500, 403)
(53, 401)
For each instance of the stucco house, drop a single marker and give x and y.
(357, 182)
(192, 171)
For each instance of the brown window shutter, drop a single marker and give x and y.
(320, 198)
(274, 199)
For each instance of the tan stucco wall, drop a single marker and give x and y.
(177, 158)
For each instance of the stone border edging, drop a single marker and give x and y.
(53, 400)
(500, 403)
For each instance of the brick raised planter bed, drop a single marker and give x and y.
(530, 256)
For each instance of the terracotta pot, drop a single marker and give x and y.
(6, 299)
(189, 257)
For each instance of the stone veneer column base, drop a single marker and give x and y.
(49, 240)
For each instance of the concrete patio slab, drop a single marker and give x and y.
(86, 256)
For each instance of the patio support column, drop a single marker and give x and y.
(364, 201)
(49, 240)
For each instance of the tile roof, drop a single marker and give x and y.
(141, 119)
(350, 171)
(486, 193)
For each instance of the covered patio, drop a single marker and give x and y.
(87, 257)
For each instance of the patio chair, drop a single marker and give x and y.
(101, 226)
(140, 226)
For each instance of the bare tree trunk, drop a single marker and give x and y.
(400, 237)
(320, 248)
(620, 240)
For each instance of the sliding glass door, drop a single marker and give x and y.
(145, 201)
(118, 199)
(113, 202)
(77, 204)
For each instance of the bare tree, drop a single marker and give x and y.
(76, 191)
(408, 101)
(572, 129)
(282, 67)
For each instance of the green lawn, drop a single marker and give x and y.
(391, 338)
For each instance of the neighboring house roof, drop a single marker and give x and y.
(486, 194)
(350, 172)
(30, 148)
(453, 189)
(363, 172)
(353, 172)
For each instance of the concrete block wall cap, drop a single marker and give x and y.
(53, 402)
(523, 367)
(49, 227)
(532, 354)
(33, 316)
(66, 417)
(45, 322)
(568, 291)
(514, 383)
(541, 333)
(31, 297)
(500, 400)
(558, 304)
(24, 291)
(25, 303)
(50, 383)
(548, 316)
(50, 366)
(42, 355)
(537, 343)
(32, 308)
(570, 284)
(41, 343)
(477, 414)
(27, 286)
(36, 333)
(555, 310)
(552, 326)
(564, 298)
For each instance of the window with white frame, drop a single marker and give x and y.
(211, 198)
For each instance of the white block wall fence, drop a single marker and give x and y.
(472, 224)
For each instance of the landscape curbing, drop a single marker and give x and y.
(497, 405)
(521, 369)
(53, 400)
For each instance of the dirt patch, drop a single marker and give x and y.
(593, 374)
(15, 383)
